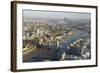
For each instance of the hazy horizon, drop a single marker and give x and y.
(55, 14)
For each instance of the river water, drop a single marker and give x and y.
(56, 54)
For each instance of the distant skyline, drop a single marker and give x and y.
(55, 14)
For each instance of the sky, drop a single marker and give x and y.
(55, 14)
